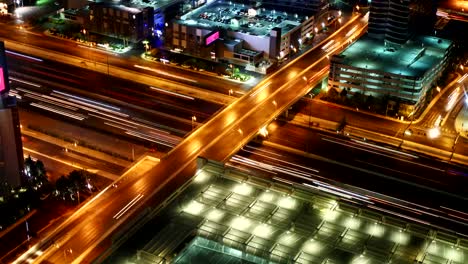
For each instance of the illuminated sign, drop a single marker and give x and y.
(2, 80)
(211, 38)
(4, 87)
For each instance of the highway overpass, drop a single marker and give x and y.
(89, 231)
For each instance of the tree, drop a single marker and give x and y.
(333, 95)
(35, 173)
(344, 93)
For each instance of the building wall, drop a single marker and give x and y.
(75, 4)
(251, 42)
(396, 21)
(11, 152)
(300, 6)
(388, 19)
(191, 40)
(120, 22)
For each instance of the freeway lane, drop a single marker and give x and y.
(86, 233)
(302, 156)
(140, 97)
(149, 114)
(127, 60)
(287, 165)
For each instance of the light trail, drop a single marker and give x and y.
(385, 149)
(164, 73)
(22, 55)
(79, 117)
(351, 31)
(25, 82)
(53, 102)
(128, 206)
(326, 46)
(381, 154)
(259, 89)
(146, 137)
(172, 93)
(90, 103)
(278, 160)
(452, 99)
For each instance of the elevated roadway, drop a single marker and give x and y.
(116, 210)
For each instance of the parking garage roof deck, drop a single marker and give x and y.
(412, 59)
(134, 6)
(220, 14)
(277, 223)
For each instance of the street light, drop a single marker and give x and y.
(146, 44)
(194, 119)
(433, 133)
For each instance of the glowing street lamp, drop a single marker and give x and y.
(146, 44)
(433, 133)
(194, 119)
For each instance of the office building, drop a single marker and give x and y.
(130, 20)
(396, 21)
(301, 6)
(11, 148)
(240, 33)
(132, 24)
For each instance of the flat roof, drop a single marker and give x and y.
(224, 14)
(235, 212)
(412, 59)
(134, 6)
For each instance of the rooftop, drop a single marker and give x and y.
(413, 59)
(242, 18)
(134, 6)
(278, 223)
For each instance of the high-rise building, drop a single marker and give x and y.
(396, 21)
(11, 147)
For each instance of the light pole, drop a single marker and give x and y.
(407, 130)
(146, 45)
(67, 252)
(194, 119)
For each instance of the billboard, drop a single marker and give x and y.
(211, 38)
(4, 85)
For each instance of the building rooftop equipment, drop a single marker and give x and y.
(239, 17)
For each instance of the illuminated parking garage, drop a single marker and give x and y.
(224, 215)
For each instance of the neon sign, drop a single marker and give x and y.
(2, 80)
(211, 38)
